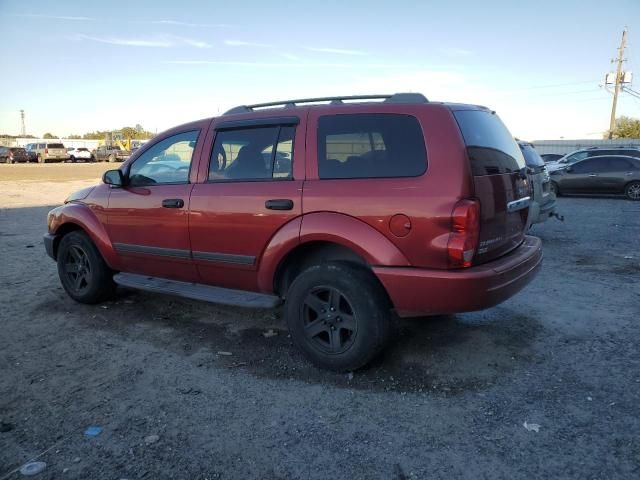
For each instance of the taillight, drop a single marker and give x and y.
(46, 150)
(465, 232)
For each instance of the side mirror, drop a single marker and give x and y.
(113, 177)
(568, 168)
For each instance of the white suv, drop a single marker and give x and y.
(80, 153)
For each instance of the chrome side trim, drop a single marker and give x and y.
(158, 251)
(224, 257)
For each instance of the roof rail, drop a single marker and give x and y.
(395, 98)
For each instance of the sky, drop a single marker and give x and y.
(79, 66)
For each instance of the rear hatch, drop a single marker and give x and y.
(56, 150)
(500, 181)
(537, 170)
(19, 154)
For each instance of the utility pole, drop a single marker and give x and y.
(23, 129)
(618, 82)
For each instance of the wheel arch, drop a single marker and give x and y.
(77, 216)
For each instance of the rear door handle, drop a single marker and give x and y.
(279, 204)
(173, 203)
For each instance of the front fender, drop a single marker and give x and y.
(83, 216)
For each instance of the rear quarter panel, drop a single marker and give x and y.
(427, 200)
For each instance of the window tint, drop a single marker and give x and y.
(531, 157)
(55, 145)
(617, 164)
(370, 146)
(491, 148)
(168, 161)
(593, 165)
(261, 153)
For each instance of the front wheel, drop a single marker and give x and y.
(338, 315)
(554, 189)
(83, 272)
(632, 190)
(112, 158)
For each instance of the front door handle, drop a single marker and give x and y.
(593, 175)
(279, 204)
(173, 203)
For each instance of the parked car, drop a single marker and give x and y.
(409, 208)
(111, 154)
(551, 157)
(606, 174)
(30, 148)
(13, 155)
(573, 157)
(543, 203)
(80, 153)
(46, 152)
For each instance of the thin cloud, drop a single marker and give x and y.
(338, 51)
(286, 64)
(290, 56)
(189, 24)
(165, 41)
(242, 43)
(54, 17)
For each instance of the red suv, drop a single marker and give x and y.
(348, 209)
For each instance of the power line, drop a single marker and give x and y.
(558, 85)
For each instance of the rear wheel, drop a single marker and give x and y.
(40, 159)
(9, 160)
(632, 190)
(338, 315)
(83, 272)
(112, 158)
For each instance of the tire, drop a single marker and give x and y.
(72, 159)
(325, 336)
(112, 158)
(9, 161)
(632, 190)
(554, 188)
(77, 252)
(40, 159)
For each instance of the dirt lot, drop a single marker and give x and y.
(448, 400)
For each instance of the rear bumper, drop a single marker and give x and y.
(49, 243)
(417, 291)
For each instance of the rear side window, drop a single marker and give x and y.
(491, 148)
(252, 154)
(370, 146)
(617, 164)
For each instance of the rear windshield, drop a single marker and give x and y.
(17, 150)
(531, 157)
(55, 145)
(491, 148)
(82, 149)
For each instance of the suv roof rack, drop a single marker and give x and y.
(395, 98)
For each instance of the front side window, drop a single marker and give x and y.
(370, 146)
(594, 165)
(166, 162)
(250, 154)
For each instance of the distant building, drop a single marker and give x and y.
(566, 146)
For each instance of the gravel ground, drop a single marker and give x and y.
(448, 399)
